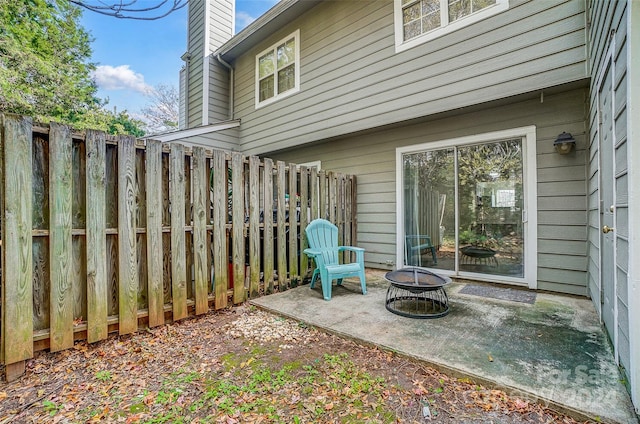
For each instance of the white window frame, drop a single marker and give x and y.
(530, 208)
(445, 26)
(296, 36)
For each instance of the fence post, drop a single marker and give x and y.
(17, 279)
(267, 247)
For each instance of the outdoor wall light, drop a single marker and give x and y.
(565, 143)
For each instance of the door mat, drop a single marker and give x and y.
(502, 293)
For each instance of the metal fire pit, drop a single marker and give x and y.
(417, 293)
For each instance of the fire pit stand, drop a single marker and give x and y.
(417, 293)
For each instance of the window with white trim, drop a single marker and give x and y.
(417, 21)
(278, 70)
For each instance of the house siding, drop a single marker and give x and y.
(608, 30)
(352, 79)
(561, 185)
(210, 26)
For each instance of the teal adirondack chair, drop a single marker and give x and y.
(323, 241)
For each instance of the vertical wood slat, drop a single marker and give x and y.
(96, 244)
(200, 207)
(281, 231)
(237, 189)
(314, 195)
(220, 258)
(331, 176)
(127, 263)
(293, 223)
(267, 247)
(178, 239)
(60, 240)
(154, 200)
(254, 226)
(353, 203)
(323, 211)
(17, 338)
(141, 222)
(304, 219)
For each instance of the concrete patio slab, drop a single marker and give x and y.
(553, 351)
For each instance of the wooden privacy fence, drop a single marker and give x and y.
(103, 234)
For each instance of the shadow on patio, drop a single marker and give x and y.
(552, 350)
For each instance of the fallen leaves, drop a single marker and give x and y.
(239, 366)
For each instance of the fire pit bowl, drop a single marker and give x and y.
(417, 293)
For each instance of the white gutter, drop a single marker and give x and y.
(231, 85)
(633, 165)
(192, 132)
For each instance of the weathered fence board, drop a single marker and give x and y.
(280, 229)
(111, 234)
(238, 229)
(178, 257)
(200, 207)
(60, 241)
(97, 293)
(293, 227)
(267, 218)
(127, 251)
(154, 202)
(220, 211)
(17, 281)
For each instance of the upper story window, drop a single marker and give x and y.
(278, 70)
(417, 21)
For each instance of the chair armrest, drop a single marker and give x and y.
(351, 248)
(312, 252)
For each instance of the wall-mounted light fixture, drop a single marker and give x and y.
(565, 143)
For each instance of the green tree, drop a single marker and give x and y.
(45, 67)
(44, 60)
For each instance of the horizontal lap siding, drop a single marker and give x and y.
(195, 47)
(352, 79)
(562, 201)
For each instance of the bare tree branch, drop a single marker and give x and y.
(129, 9)
(161, 114)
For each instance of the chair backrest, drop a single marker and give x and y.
(323, 236)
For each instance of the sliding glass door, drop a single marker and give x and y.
(463, 208)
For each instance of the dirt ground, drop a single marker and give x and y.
(242, 365)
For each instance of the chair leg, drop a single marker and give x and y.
(313, 277)
(363, 282)
(433, 254)
(326, 285)
(339, 281)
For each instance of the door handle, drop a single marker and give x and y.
(606, 229)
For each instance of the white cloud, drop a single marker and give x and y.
(243, 19)
(120, 78)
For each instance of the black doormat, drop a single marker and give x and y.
(502, 293)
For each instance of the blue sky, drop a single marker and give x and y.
(133, 55)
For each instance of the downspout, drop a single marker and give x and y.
(231, 84)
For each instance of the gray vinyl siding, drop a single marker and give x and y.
(224, 140)
(195, 47)
(194, 112)
(607, 17)
(352, 79)
(218, 92)
(562, 202)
